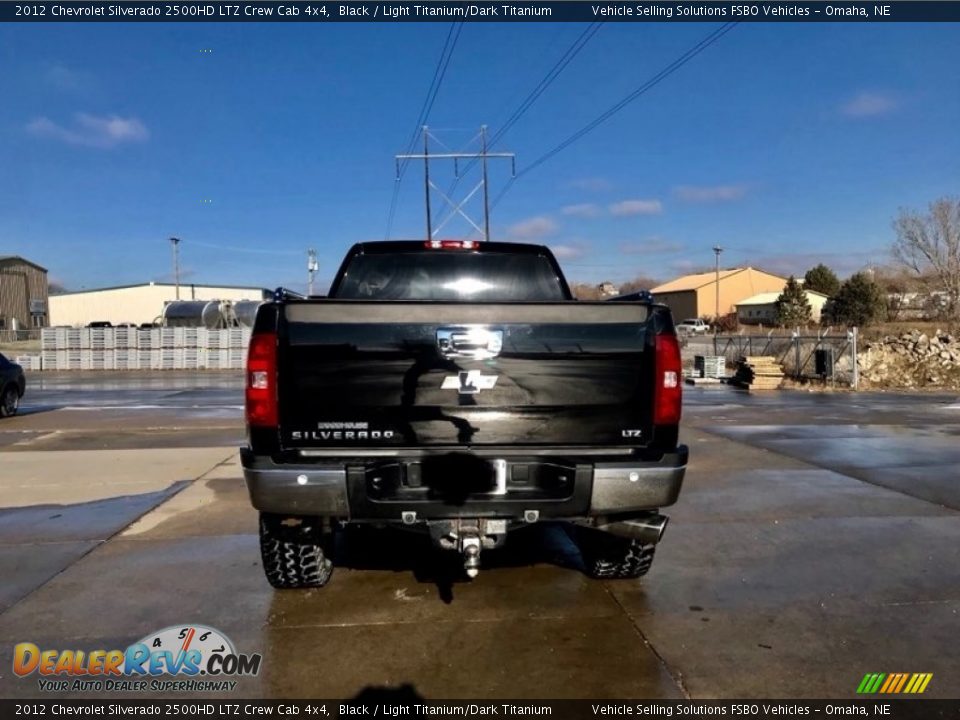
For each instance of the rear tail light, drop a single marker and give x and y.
(261, 388)
(667, 391)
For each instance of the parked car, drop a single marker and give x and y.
(693, 326)
(12, 386)
(100, 324)
(457, 389)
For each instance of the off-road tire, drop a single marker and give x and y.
(9, 401)
(295, 553)
(609, 557)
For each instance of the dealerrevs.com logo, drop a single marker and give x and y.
(200, 657)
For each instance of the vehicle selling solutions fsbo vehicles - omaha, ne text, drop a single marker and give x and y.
(458, 389)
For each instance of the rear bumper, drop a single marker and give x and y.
(627, 486)
(341, 490)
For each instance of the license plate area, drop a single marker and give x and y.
(458, 478)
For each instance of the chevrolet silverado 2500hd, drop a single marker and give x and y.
(457, 388)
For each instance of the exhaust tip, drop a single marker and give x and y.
(660, 523)
(648, 530)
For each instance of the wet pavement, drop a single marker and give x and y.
(815, 540)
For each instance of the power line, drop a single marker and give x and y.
(552, 74)
(652, 82)
(648, 85)
(453, 35)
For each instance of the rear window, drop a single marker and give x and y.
(450, 276)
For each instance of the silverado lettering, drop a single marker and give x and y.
(341, 435)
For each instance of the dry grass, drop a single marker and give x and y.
(871, 332)
(899, 327)
(22, 347)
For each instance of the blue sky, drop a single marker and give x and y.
(788, 144)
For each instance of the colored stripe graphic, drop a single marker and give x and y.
(894, 683)
(890, 686)
(870, 683)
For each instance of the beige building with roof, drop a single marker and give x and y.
(693, 296)
(137, 304)
(762, 309)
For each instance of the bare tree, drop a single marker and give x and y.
(641, 282)
(900, 288)
(929, 245)
(585, 291)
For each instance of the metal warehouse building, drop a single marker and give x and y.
(693, 296)
(23, 294)
(137, 303)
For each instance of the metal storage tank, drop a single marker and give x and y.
(193, 313)
(246, 312)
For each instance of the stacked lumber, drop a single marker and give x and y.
(758, 372)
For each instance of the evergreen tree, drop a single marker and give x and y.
(859, 301)
(793, 307)
(821, 279)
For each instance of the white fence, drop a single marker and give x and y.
(134, 349)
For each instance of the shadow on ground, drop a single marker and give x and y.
(368, 548)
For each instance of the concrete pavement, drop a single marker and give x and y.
(801, 555)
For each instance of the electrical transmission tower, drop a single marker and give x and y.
(456, 208)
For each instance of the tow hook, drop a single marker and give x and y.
(470, 547)
(468, 537)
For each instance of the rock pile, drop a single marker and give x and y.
(913, 359)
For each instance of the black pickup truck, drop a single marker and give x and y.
(458, 389)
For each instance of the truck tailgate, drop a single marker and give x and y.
(369, 374)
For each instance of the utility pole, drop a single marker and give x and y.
(486, 195)
(311, 269)
(456, 208)
(426, 179)
(716, 251)
(175, 243)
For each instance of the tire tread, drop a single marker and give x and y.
(293, 557)
(607, 557)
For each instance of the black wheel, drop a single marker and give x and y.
(295, 552)
(607, 556)
(10, 402)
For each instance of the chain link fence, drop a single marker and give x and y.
(829, 356)
(22, 335)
